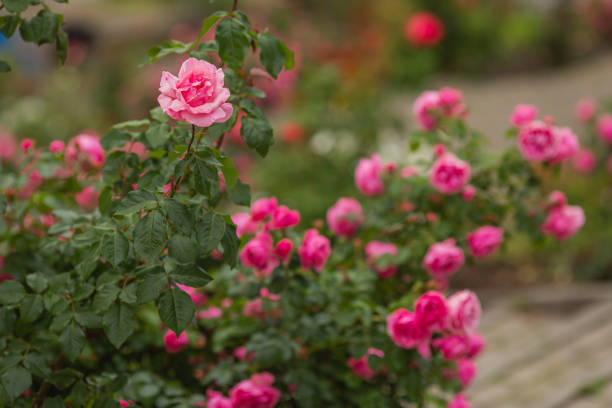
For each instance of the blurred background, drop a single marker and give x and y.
(359, 66)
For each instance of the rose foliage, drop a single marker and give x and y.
(125, 283)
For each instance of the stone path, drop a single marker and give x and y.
(546, 348)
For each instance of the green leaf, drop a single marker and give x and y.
(203, 49)
(229, 172)
(7, 321)
(82, 290)
(115, 138)
(15, 381)
(230, 243)
(190, 275)
(158, 114)
(37, 282)
(105, 297)
(128, 294)
(4, 66)
(60, 321)
(64, 378)
(157, 134)
(54, 402)
(176, 310)
(151, 286)
(88, 319)
(178, 214)
(257, 133)
(16, 6)
(151, 235)
(105, 200)
(115, 247)
(30, 308)
(61, 45)
(78, 395)
(165, 48)
(205, 177)
(289, 56)
(233, 39)
(37, 365)
(240, 194)
(272, 55)
(119, 323)
(217, 129)
(72, 341)
(41, 29)
(135, 201)
(8, 25)
(138, 123)
(182, 248)
(209, 231)
(209, 22)
(11, 292)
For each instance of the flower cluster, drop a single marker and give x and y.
(432, 106)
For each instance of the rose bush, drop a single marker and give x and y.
(124, 283)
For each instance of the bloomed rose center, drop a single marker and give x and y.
(196, 89)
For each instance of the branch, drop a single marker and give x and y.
(235, 7)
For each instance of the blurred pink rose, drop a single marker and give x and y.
(466, 371)
(404, 329)
(256, 392)
(376, 249)
(85, 150)
(523, 114)
(459, 402)
(567, 144)
(463, 312)
(57, 146)
(443, 259)
(431, 310)
(585, 161)
(216, 400)
(8, 146)
(175, 344)
(563, 222)
(244, 224)
(449, 174)
(604, 128)
(283, 248)
(485, 240)
(263, 208)
(87, 199)
(345, 217)
(197, 95)
(423, 29)
(314, 251)
(537, 142)
(27, 144)
(468, 192)
(360, 366)
(284, 217)
(258, 254)
(368, 176)
(585, 109)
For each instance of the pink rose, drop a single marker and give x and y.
(404, 329)
(27, 144)
(523, 114)
(563, 222)
(258, 253)
(475, 343)
(585, 109)
(537, 142)
(423, 29)
(449, 174)
(424, 109)
(8, 146)
(463, 312)
(452, 346)
(198, 298)
(368, 176)
(431, 311)
(360, 366)
(211, 312)
(374, 250)
(34, 182)
(345, 217)
(443, 259)
(468, 192)
(314, 251)
(263, 208)
(85, 150)
(57, 146)
(567, 144)
(292, 132)
(216, 400)
(485, 240)
(197, 95)
(87, 199)
(241, 354)
(283, 217)
(585, 161)
(466, 371)
(254, 308)
(604, 127)
(459, 402)
(557, 199)
(256, 392)
(283, 248)
(244, 224)
(175, 344)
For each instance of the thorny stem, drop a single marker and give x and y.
(180, 180)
